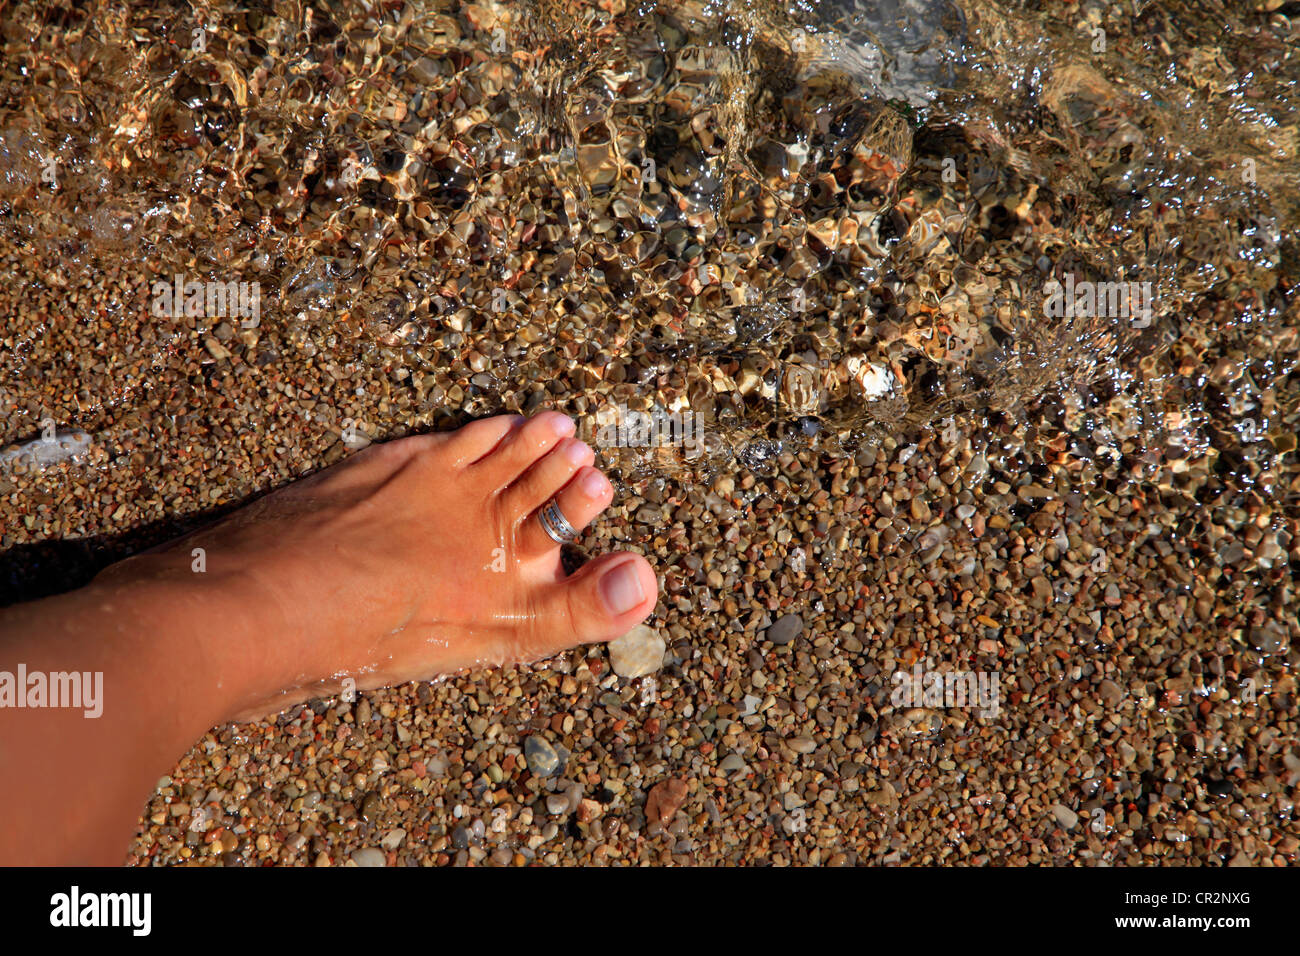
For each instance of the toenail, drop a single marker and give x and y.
(621, 589)
(594, 484)
(563, 425)
(576, 452)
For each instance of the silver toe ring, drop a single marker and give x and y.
(555, 525)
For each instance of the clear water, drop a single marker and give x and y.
(814, 223)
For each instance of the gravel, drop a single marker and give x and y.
(906, 470)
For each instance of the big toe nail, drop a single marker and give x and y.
(621, 589)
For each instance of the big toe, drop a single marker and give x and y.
(603, 600)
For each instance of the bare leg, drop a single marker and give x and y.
(414, 558)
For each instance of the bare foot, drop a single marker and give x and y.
(414, 558)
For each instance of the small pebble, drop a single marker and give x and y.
(542, 757)
(785, 629)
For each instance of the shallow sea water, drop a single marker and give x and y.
(828, 223)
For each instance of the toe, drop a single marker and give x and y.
(472, 442)
(521, 448)
(548, 475)
(605, 599)
(586, 495)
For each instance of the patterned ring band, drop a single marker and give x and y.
(555, 525)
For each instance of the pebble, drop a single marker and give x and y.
(542, 758)
(784, 629)
(731, 763)
(369, 857)
(1270, 639)
(665, 799)
(1065, 816)
(637, 653)
(43, 452)
(557, 804)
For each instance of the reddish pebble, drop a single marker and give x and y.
(665, 800)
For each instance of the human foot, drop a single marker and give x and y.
(414, 558)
